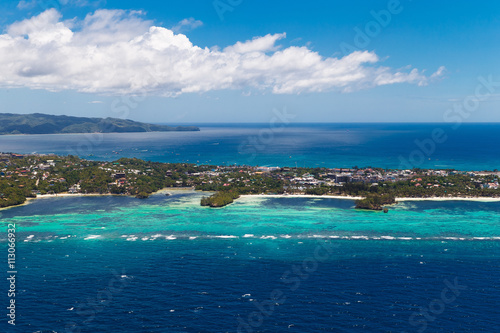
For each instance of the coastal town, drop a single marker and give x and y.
(25, 176)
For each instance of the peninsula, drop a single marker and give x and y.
(38, 123)
(26, 176)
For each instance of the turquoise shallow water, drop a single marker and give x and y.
(180, 216)
(165, 264)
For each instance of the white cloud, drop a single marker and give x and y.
(187, 25)
(440, 72)
(96, 102)
(26, 4)
(258, 44)
(119, 52)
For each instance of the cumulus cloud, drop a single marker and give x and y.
(119, 52)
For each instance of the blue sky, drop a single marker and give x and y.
(235, 61)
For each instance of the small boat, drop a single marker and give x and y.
(168, 194)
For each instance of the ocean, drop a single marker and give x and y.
(261, 264)
(402, 146)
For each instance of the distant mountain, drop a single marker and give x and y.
(38, 123)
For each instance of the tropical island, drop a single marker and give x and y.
(32, 175)
(38, 123)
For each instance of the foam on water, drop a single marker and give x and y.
(92, 237)
(157, 237)
(268, 237)
(146, 237)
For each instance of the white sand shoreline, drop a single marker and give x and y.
(478, 199)
(76, 195)
(61, 195)
(300, 196)
(190, 189)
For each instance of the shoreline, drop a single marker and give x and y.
(398, 199)
(173, 189)
(302, 196)
(76, 195)
(66, 194)
(477, 199)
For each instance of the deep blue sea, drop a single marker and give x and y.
(466, 147)
(262, 264)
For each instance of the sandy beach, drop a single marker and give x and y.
(174, 189)
(75, 195)
(479, 199)
(301, 196)
(61, 195)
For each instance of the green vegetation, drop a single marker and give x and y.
(375, 201)
(38, 123)
(27, 176)
(11, 196)
(142, 195)
(220, 199)
(24, 176)
(322, 190)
